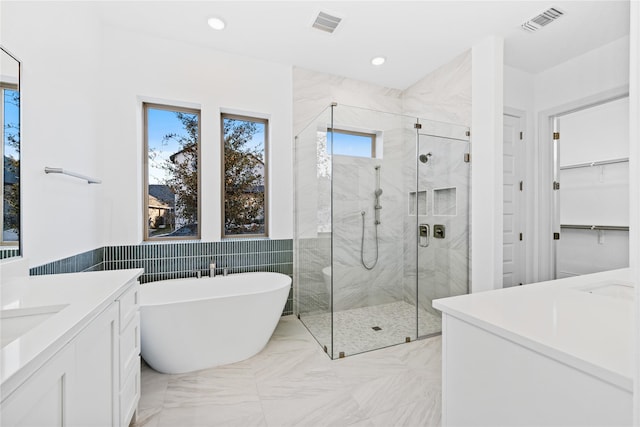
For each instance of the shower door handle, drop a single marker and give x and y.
(423, 235)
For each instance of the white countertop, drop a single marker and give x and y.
(588, 331)
(84, 295)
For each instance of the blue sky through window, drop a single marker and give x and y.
(11, 118)
(160, 123)
(348, 144)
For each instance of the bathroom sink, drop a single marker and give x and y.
(615, 290)
(18, 321)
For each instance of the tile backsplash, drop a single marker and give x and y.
(172, 260)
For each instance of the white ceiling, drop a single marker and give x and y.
(416, 37)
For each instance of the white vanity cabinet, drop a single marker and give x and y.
(546, 354)
(91, 380)
(129, 354)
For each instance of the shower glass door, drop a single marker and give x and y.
(373, 165)
(381, 226)
(442, 219)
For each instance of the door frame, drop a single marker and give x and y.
(546, 215)
(524, 167)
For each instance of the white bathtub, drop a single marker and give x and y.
(192, 324)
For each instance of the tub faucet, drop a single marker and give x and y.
(212, 269)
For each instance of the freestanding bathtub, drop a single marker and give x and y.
(192, 324)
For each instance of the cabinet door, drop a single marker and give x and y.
(44, 399)
(96, 400)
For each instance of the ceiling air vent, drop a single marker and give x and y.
(545, 18)
(326, 22)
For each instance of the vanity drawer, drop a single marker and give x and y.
(129, 305)
(129, 348)
(130, 394)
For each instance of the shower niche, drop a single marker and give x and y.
(362, 279)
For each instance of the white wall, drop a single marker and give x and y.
(584, 77)
(58, 46)
(591, 73)
(139, 67)
(82, 88)
(487, 164)
(634, 184)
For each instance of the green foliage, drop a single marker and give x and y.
(182, 168)
(243, 181)
(12, 166)
(244, 197)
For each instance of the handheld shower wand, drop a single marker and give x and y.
(377, 193)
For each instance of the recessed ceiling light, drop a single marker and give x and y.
(216, 23)
(378, 60)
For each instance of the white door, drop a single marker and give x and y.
(513, 233)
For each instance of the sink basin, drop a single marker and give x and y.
(18, 321)
(615, 290)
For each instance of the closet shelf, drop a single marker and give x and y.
(598, 163)
(595, 227)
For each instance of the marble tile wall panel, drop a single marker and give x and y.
(314, 91)
(443, 265)
(444, 94)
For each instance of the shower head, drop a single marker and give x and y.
(424, 158)
(378, 192)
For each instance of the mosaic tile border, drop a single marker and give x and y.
(9, 253)
(87, 261)
(174, 260)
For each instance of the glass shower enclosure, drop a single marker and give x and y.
(381, 226)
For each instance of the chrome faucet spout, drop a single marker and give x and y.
(212, 269)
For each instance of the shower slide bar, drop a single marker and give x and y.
(599, 163)
(595, 227)
(89, 180)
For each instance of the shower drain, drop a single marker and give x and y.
(376, 328)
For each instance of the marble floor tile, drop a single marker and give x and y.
(241, 415)
(292, 382)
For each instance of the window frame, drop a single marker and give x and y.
(371, 135)
(145, 148)
(265, 122)
(8, 243)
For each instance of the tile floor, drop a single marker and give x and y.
(293, 383)
(353, 332)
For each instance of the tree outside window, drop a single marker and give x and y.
(172, 190)
(244, 175)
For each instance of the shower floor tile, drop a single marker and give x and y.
(293, 383)
(370, 328)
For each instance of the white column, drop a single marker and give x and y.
(634, 183)
(486, 164)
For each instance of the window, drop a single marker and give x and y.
(172, 191)
(355, 144)
(10, 150)
(244, 177)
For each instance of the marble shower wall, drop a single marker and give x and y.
(443, 95)
(442, 265)
(354, 184)
(313, 94)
